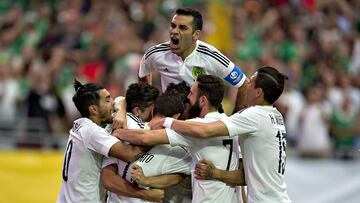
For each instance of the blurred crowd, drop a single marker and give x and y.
(45, 44)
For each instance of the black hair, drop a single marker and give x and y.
(85, 96)
(168, 105)
(271, 81)
(180, 89)
(140, 95)
(213, 88)
(197, 17)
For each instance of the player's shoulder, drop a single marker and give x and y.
(157, 49)
(211, 53)
(134, 122)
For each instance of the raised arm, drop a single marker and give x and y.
(119, 119)
(118, 185)
(160, 181)
(207, 171)
(146, 79)
(142, 137)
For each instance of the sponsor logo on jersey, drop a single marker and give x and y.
(197, 71)
(234, 76)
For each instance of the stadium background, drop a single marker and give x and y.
(44, 44)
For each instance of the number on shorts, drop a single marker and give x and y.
(67, 160)
(282, 148)
(230, 143)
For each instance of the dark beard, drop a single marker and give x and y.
(195, 110)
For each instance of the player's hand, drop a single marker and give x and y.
(137, 175)
(204, 170)
(154, 195)
(156, 123)
(119, 120)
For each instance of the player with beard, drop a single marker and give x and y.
(206, 93)
(87, 144)
(185, 57)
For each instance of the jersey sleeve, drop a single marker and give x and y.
(108, 161)
(222, 66)
(176, 139)
(98, 140)
(147, 61)
(241, 123)
(145, 67)
(233, 75)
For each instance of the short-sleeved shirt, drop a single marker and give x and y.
(261, 132)
(205, 59)
(161, 159)
(221, 151)
(87, 145)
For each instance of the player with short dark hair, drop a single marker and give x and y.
(261, 132)
(87, 144)
(222, 151)
(185, 57)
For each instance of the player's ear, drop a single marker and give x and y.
(93, 109)
(203, 100)
(136, 111)
(196, 35)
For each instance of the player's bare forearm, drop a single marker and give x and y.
(126, 152)
(206, 170)
(230, 177)
(118, 185)
(200, 130)
(142, 137)
(241, 100)
(146, 79)
(161, 181)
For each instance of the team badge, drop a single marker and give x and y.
(197, 71)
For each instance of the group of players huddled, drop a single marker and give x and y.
(137, 149)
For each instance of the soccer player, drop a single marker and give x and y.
(205, 97)
(185, 57)
(261, 132)
(164, 159)
(87, 144)
(140, 99)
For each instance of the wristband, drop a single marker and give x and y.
(168, 122)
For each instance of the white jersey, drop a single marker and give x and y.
(205, 59)
(133, 122)
(87, 145)
(221, 151)
(261, 134)
(161, 159)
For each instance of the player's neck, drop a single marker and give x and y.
(205, 110)
(95, 120)
(187, 52)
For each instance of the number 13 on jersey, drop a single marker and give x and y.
(282, 149)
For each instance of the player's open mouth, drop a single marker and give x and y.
(174, 42)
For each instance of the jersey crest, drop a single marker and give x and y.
(197, 71)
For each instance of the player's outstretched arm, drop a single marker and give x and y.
(205, 170)
(161, 181)
(126, 152)
(118, 185)
(200, 130)
(142, 137)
